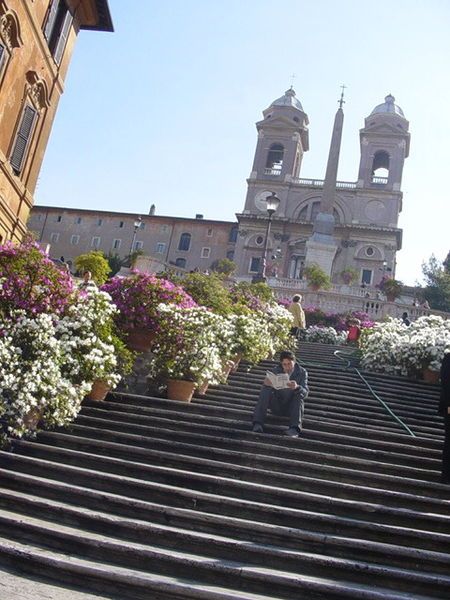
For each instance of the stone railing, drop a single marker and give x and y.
(349, 185)
(380, 180)
(346, 298)
(272, 172)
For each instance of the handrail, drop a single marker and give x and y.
(337, 353)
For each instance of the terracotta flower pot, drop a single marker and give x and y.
(99, 390)
(430, 376)
(236, 360)
(203, 388)
(227, 365)
(140, 340)
(32, 418)
(180, 389)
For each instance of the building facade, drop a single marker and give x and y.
(364, 213)
(37, 38)
(186, 243)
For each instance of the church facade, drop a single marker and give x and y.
(361, 217)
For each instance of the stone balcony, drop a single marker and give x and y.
(346, 298)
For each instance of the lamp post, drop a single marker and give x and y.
(272, 203)
(137, 224)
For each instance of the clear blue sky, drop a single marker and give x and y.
(162, 111)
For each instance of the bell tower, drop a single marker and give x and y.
(282, 139)
(384, 143)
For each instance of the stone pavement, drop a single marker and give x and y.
(15, 586)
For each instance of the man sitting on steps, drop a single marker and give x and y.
(287, 401)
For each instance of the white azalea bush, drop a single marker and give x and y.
(252, 338)
(86, 332)
(49, 362)
(392, 347)
(191, 344)
(31, 378)
(279, 323)
(323, 335)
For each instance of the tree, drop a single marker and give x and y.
(224, 266)
(437, 279)
(115, 263)
(96, 263)
(208, 290)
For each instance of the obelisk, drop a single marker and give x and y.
(321, 248)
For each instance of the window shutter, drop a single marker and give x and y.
(51, 18)
(62, 40)
(22, 139)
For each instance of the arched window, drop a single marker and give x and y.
(275, 159)
(181, 262)
(233, 235)
(185, 241)
(303, 214)
(315, 209)
(337, 218)
(380, 167)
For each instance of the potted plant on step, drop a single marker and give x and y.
(391, 287)
(189, 349)
(316, 277)
(349, 275)
(137, 297)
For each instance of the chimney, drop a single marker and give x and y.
(152, 210)
(197, 216)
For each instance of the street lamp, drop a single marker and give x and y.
(137, 224)
(272, 203)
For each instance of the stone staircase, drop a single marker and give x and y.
(144, 498)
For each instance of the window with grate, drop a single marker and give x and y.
(74, 240)
(254, 264)
(185, 242)
(116, 244)
(23, 138)
(160, 247)
(138, 245)
(233, 235)
(54, 237)
(95, 243)
(205, 252)
(181, 262)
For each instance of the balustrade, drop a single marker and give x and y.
(380, 180)
(350, 185)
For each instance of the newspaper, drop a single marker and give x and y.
(280, 381)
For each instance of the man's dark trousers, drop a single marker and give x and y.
(285, 403)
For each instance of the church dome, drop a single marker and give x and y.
(289, 99)
(388, 107)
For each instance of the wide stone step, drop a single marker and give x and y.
(154, 448)
(301, 448)
(217, 411)
(274, 525)
(264, 569)
(251, 540)
(252, 473)
(184, 487)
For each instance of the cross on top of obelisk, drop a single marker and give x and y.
(341, 100)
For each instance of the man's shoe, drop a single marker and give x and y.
(292, 432)
(257, 428)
